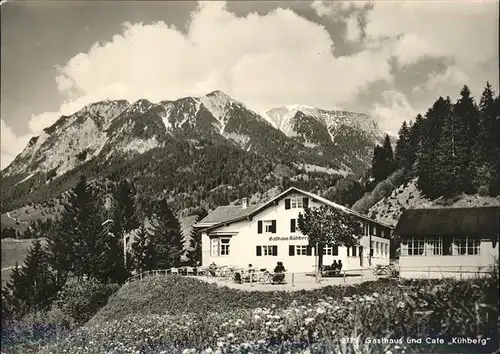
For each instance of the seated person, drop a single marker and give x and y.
(212, 268)
(279, 276)
(237, 278)
(339, 266)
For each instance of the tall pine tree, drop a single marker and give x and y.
(194, 251)
(383, 161)
(167, 236)
(402, 156)
(74, 246)
(143, 251)
(431, 132)
(466, 121)
(487, 147)
(32, 286)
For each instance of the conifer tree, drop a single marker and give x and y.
(167, 235)
(16, 294)
(124, 211)
(38, 278)
(402, 155)
(74, 246)
(143, 251)
(466, 118)
(487, 148)
(32, 287)
(194, 251)
(430, 133)
(383, 160)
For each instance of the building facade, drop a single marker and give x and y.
(448, 242)
(264, 234)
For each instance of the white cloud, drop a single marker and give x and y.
(285, 57)
(11, 144)
(466, 32)
(393, 111)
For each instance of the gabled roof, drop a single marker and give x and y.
(230, 214)
(480, 221)
(226, 213)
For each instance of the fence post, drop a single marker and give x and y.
(293, 280)
(460, 272)
(429, 272)
(344, 275)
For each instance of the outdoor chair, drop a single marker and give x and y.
(189, 271)
(202, 271)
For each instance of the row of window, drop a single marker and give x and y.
(220, 247)
(379, 249)
(437, 246)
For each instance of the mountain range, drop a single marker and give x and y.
(179, 134)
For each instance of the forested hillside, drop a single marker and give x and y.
(450, 153)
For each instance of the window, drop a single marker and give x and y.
(386, 246)
(293, 225)
(354, 249)
(267, 250)
(269, 226)
(296, 202)
(377, 250)
(219, 247)
(433, 246)
(331, 250)
(301, 250)
(466, 246)
(224, 247)
(425, 246)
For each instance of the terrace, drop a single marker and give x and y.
(262, 280)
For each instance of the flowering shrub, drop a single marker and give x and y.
(305, 322)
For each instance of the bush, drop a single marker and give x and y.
(79, 301)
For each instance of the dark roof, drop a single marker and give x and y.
(227, 213)
(481, 221)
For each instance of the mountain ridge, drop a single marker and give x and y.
(102, 123)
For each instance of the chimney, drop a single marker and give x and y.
(244, 203)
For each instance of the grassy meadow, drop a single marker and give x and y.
(175, 314)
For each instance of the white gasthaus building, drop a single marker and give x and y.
(266, 233)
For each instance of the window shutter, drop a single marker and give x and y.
(291, 250)
(259, 226)
(335, 250)
(287, 203)
(348, 251)
(259, 250)
(275, 250)
(309, 250)
(354, 251)
(292, 225)
(273, 226)
(305, 202)
(371, 252)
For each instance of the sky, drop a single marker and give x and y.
(388, 59)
